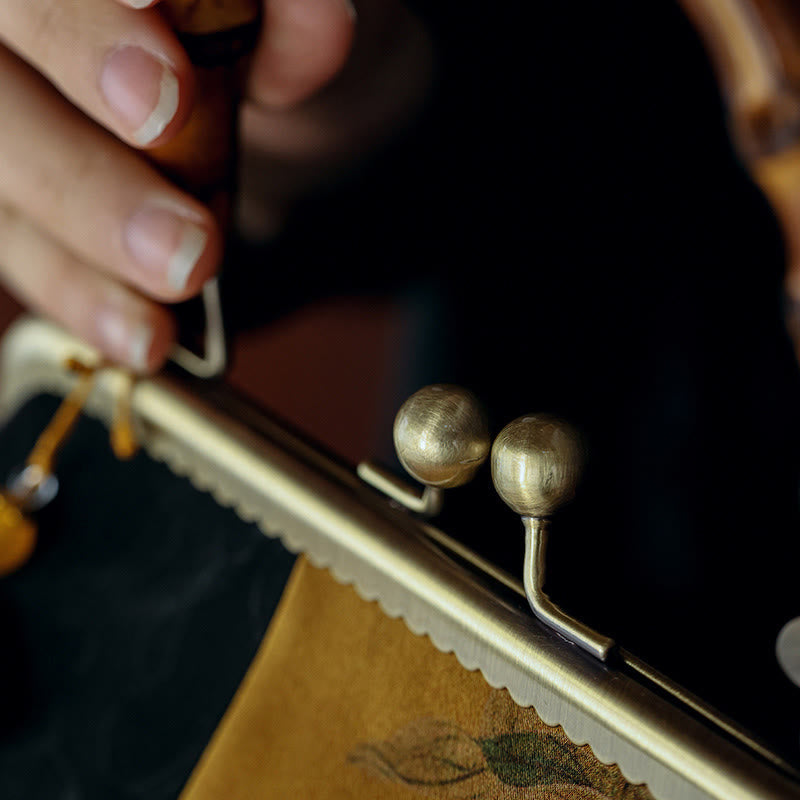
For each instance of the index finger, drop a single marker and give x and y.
(125, 69)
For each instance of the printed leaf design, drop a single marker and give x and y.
(428, 752)
(516, 757)
(534, 759)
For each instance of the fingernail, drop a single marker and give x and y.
(141, 90)
(165, 245)
(138, 3)
(128, 341)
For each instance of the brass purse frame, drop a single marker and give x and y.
(628, 714)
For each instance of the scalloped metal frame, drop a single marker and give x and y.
(321, 509)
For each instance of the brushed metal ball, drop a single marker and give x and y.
(536, 464)
(441, 435)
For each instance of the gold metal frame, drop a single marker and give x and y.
(657, 734)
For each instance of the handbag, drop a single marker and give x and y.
(399, 663)
(394, 662)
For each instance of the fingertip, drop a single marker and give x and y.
(164, 334)
(195, 261)
(173, 246)
(173, 106)
(135, 333)
(163, 119)
(147, 85)
(304, 46)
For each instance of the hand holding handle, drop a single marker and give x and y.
(202, 158)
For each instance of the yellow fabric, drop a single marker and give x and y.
(344, 702)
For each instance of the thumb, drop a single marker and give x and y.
(304, 44)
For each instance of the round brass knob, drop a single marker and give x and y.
(536, 463)
(441, 435)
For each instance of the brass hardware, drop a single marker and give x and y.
(441, 437)
(214, 359)
(426, 501)
(35, 484)
(536, 463)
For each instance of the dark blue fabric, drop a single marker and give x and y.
(124, 639)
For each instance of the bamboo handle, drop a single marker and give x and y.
(218, 36)
(755, 47)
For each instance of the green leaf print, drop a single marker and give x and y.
(533, 759)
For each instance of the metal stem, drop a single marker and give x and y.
(541, 605)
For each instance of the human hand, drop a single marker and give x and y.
(91, 234)
(331, 100)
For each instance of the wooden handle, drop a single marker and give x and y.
(200, 17)
(755, 48)
(218, 36)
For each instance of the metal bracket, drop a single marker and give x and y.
(426, 501)
(215, 358)
(544, 608)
